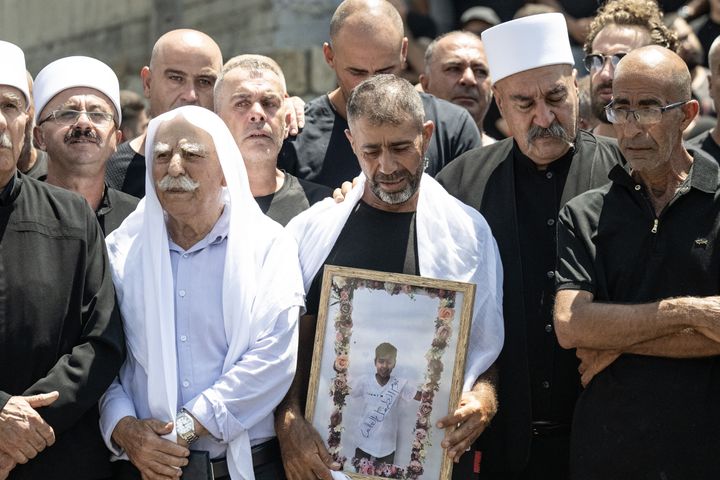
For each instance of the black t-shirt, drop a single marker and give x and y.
(372, 239)
(646, 417)
(554, 384)
(126, 171)
(294, 196)
(707, 31)
(706, 143)
(322, 153)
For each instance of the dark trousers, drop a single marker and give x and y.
(549, 460)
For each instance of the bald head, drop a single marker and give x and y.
(184, 39)
(366, 39)
(367, 16)
(658, 65)
(183, 68)
(714, 56)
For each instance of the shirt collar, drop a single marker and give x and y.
(105, 203)
(556, 165)
(215, 236)
(6, 192)
(704, 174)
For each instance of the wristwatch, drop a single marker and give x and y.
(185, 426)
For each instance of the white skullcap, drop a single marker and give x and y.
(13, 71)
(527, 43)
(70, 72)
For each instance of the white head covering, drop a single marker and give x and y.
(13, 71)
(527, 43)
(72, 72)
(261, 259)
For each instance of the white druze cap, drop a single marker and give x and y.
(527, 43)
(12, 69)
(70, 72)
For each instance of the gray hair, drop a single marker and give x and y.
(255, 64)
(386, 99)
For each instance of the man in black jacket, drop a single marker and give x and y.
(519, 185)
(61, 340)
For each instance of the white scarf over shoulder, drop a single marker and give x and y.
(454, 242)
(260, 279)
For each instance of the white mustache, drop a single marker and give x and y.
(182, 183)
(5, 141)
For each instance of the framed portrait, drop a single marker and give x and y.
(388, 363)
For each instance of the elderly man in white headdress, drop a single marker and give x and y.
(77, 117)
(210, 292)
(62, 341)
(519, 184)
(396, 219)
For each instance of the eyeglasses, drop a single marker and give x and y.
(71, 117)
(643, 116)
(595, 61)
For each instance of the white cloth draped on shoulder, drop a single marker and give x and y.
(454, 242)
(260, 279)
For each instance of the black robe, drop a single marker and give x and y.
(60, 328)
(484, 178)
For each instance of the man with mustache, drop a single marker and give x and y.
(62, 338)
(456, 70)
(77, 119)
(519, 185)
(250, 97)
(638, 285)
(619, 27)
(210, 292)
(397, 219)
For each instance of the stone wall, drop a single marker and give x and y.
(122, 32)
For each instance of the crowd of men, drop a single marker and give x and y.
(159, 295)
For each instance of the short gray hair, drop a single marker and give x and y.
(256, 64)
(430, 50)
(386, 99)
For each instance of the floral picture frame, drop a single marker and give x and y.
(408, 331)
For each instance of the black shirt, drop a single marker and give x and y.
(60, 328)
(706, 143)
(646, 417)
(126, 171)
(322, 153)
(114, 209)
(294, 196)
(707, 31)
(372, 239)
(553, 378)
(485, 179)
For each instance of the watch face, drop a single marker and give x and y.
(184, 423)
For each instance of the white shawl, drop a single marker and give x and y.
(454, 243)
(260, 263)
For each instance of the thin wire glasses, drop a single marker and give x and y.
(643, 116)
(71, 117)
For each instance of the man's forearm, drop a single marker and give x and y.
(583, 323)
(295, 398)
(686, 344)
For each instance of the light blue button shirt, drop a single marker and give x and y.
(241, 399)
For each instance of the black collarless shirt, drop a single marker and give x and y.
(372, 239)
(553, 376)
(646, 416)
